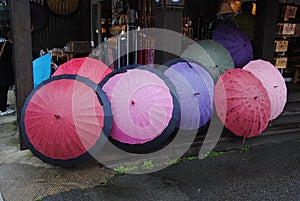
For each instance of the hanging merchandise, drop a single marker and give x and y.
(146, 52)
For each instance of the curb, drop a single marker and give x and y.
(1, 197)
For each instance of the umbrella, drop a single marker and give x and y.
(145, 111)
(211, 55)
(236, 42)
(87, 67)
(242, 103)
(41, 69)
(39, 16)
(274, 83)
(64, 118)
(194, 87)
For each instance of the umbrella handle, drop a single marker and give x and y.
(189, 64)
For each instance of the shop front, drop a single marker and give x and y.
(124, 31)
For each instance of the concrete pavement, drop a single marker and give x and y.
(269, 172)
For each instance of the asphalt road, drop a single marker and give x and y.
(269, 172)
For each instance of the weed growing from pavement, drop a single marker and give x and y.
(119, 170)
(244, 149)
(103, 181)
(214, 153)
(149, 164)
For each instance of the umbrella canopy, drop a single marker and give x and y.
(64, 118)
(87, 67)
(41, 69)
(194, 87)
(274, 83)
(211, 55)
(145, 111)
(236, 42)
(242, 103)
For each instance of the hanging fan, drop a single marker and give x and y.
(63, 7)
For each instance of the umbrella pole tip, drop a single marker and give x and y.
(56, 116)
(244, 139)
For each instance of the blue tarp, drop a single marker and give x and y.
(41, 69)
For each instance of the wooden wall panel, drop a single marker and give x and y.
(62, 29)
(200, 11)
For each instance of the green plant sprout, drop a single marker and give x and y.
(246, 148)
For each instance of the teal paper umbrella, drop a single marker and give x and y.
(211, 55)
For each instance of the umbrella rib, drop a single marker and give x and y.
(85, 130)
(252, 126)
(45, 103)
(237, 115)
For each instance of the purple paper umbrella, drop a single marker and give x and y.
(195, 88)
(236, 42)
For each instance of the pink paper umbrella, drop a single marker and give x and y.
(145, 112)
(87, 67)
(65, 118)
(242, 103)
(274, 83)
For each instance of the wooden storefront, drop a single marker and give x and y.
(77, 26)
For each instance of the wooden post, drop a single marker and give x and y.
(169, 19)
(264, 36)
(22, 53)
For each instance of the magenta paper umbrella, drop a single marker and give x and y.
(87, 67)
(64, 118)
(145, 111)
(242, 103)
(274, 83)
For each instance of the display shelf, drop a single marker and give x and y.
(287, 40)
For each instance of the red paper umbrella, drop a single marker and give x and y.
(64, 118)
(87, 67)
(242, 103)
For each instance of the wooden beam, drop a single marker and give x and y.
(264, 36)
(22, 53)
(168, 19)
